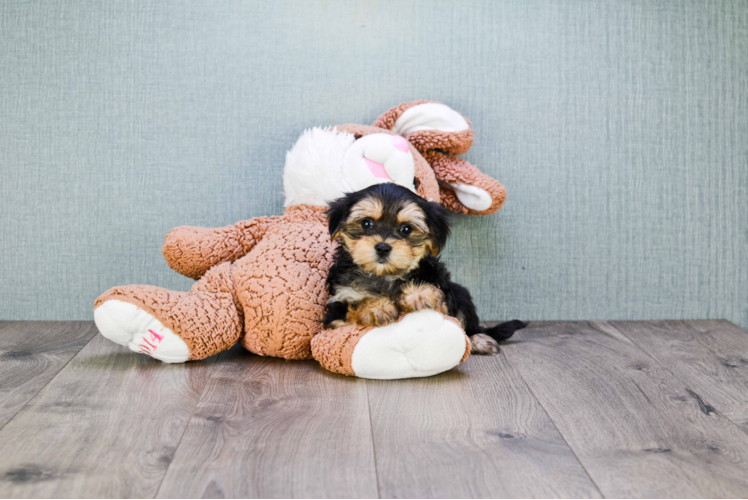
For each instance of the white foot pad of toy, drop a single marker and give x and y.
(421, 344)
(127, 324)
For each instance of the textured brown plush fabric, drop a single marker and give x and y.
(281, 284)
(438, 149)
(262, 281)
(333, 349)
(451, 169)
(455, 143)
(272, 299)
(206, 318)
(359, 131)
(191, 251)
(388, 118)
(426, 185)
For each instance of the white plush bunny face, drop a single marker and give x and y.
(324, 164)
(414, 145)
(378, 158)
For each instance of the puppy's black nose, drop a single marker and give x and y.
(383, 249)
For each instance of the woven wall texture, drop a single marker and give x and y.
(620, 130)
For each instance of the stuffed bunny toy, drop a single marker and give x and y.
(261, 282)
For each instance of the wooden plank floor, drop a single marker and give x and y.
(567, 409)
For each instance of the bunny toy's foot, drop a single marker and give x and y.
(421, 344)
(127, 324)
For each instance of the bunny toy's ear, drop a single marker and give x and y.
(429, 125)
(440, 133)
(464, 188)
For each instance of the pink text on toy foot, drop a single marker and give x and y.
(149, 348)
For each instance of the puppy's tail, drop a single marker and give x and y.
(503, 331)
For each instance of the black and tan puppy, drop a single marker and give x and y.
(387, 264)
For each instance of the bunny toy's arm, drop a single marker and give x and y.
(191, 251)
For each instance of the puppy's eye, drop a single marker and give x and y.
(367, 223)
(405, 229)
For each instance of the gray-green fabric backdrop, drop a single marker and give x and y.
(620, 130)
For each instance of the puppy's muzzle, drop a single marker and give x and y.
(383, 250)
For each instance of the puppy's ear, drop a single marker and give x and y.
(337, 214)
(437, 218)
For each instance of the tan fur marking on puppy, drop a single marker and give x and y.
(420, 252)
(480, 343)
(363, 252)
(373, 312)
(414, 216)
(368, 207)
(402, 259)
(416, 297)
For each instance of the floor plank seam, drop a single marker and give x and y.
(697, 397)
(529, 387)
(187, 425)
(609, 385)
(49, 381)
(373, 442)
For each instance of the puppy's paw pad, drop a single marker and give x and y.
(481, 343)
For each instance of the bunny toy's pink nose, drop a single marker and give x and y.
(400, 143)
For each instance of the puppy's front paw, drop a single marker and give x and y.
(418, 297)
(480, 343)
(373, 312)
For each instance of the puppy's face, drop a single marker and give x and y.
(387, 229)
